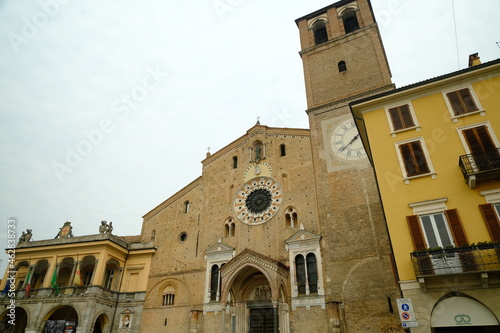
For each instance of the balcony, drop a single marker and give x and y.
(480, 167)
(478, 264)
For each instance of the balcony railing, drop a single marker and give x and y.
(480, 167)
(457, 260)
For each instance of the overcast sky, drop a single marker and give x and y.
(108, 107)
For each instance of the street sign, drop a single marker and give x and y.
(406, 313)
(409, 324)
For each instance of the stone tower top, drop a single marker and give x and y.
(342, 53)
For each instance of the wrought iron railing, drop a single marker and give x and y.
(457, 260)
(483, 165)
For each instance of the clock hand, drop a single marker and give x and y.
(352, 140)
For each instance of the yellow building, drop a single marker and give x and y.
(434, 148)
(94, 282)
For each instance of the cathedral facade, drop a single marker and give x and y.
(284, 231)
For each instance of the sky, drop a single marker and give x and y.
(108, 107)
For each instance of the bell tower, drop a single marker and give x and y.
(344, 60)
(342, 53)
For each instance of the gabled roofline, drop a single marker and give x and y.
(427, 82)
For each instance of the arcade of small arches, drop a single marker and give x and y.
(66, 275)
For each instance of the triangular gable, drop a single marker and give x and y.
(248, 256)
(303, 235)
(219, 247)
(127, 311)
(219, 252)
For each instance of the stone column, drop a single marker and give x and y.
(76, 265)
(94, 273)
(119, 272)
(275, 316)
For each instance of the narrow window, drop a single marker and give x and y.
(312, 273)
(235, 162)
(461, 101)
(229, 227)
(414, 158)
(186, 206)
(320, 34)
(350, 21)
(291, 219)
(342, 66)
(282, 149)
(401, 117)
(214, 282)
(301, 274)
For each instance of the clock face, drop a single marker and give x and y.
(258, 200)
(346, 141)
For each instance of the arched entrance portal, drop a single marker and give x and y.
(461, 314)
(253, 285)
(63, 319)
(20, 318)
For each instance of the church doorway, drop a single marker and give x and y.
(458, 313)
(254, 288)
(262, 320)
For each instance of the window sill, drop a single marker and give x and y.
(308, 301)
(432, 174)
(416, 128)
(455, 118)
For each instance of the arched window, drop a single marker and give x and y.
(350, 20)
(312, 273)
(168, 296)
(153, 235)
(214, 283)
(342, 66)
(235, 162)
(87, 267)
(291, 217)
(307, 274)
(301, 274)
(186, 206)
(229, 227)
(282, 149)
(320, 34)
(110, 279)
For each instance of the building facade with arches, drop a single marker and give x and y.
(93, 283)
(285, 231)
